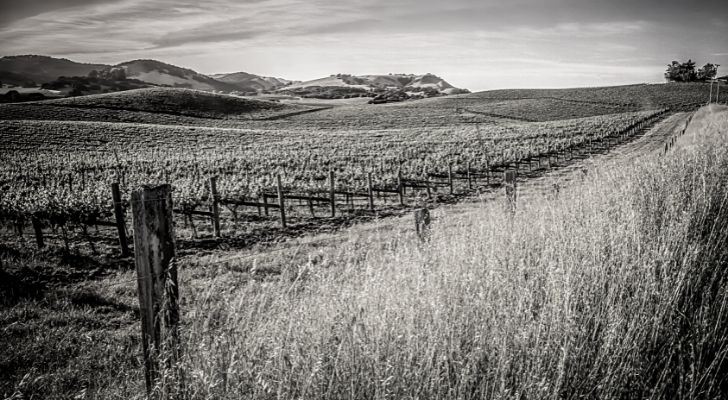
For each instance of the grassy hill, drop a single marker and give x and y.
(251, 83)
(149, 105)
(183, 106)
(163, 74)
(41, 69)
(678, 96)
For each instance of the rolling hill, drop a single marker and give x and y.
(251, 83)
(23, 69)
(159, 106)
(173, 101)
(402, 85)
(32, 70)
(405, 82)
(162, 74)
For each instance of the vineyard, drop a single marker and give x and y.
(62, 171)
(61, 157)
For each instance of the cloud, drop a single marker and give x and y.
(581, 40)
(14, 10)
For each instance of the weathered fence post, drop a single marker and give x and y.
(487, 172)
(156, 278)
(332, 193)
(510, 184)
(449, 177)
(422, 224)
(119, 219)
(310, 208)
(281, 201)
(427, 184)
(400, 187)
(470, 181)
(38, 228)
(214, 208)
(265, 204)
(370, 193)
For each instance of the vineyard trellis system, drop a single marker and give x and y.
(404, 191)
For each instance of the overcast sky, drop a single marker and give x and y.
(476, 44)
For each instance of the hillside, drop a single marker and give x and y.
(251, 83)
(677, 96)
(31, 70)
(162, 74)
(172, 100)
(150, 105)
(344, 85)
(41, 69)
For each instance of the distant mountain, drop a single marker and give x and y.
(251, 83)
(161, 74)
(79, 79)
(344, 85)
(41, 69)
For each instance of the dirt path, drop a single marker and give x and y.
(650, 142)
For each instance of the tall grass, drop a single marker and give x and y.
(614, 289)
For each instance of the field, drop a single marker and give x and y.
(247, 143)
(549, 302)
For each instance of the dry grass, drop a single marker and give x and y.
(616, 289)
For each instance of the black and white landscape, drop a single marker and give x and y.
(363, 200)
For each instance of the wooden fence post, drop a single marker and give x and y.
(38, 228)
(422, 224)
(119, 219)
(427, 184)
(156, 278)
(281, 201)
(470, 181)
(332, 193)
(370, 192)
(449, 177)
(400, 187)
(265, 204)
(510, 183)
(214, 208)
(487, 172)
(310, 208)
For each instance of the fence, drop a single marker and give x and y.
(401, 192)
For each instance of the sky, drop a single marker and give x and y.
(475, 44)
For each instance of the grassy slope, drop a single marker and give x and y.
(616, 289)
(187, 107)
(151, 105)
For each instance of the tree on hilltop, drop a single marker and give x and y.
(708, 72)
(686, 72)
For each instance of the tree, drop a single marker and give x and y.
(681, 72)
(708, 72)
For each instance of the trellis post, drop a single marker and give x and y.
(119, 219)
(281, 201)
(214, 208)
(332, 193)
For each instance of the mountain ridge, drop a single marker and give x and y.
(29, 70)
